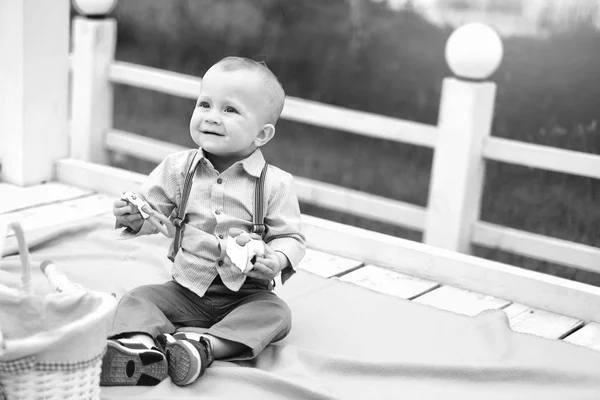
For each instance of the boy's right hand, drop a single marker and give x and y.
(128, 215)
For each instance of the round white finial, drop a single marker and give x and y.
(474, 51)
(94, 8)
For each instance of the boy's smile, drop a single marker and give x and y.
(211, 133)
(230, 118)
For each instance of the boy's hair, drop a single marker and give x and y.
(273, 88)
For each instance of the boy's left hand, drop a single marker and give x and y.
(268, 265)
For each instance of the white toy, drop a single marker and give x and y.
(243, 247)
(161, 222)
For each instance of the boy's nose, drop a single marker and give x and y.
(211, 119)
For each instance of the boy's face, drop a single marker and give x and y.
(230, 114)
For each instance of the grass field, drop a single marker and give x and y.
(548, 92)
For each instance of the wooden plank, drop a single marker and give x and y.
(540, 323)
(503, 281)
(39, 221)
(543, 157)
(460, 301)
(537, 246)
(10, 195)
(588, 336)
(385, 281)
(359, 122)
(102, 178)
(140, 146)
(169, 82)
(359, 203)
(56, 213)
(295, 109)
(18, 198)
(326, 265)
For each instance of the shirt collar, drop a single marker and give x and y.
(253, 164)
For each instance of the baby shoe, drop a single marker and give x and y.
(185, 362)
(131, 363)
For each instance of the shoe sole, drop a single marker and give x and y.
(184, 362)
(122, 366)
(194, 339)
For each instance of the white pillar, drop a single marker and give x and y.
(34, 47)
(473, 52)
(94, 42)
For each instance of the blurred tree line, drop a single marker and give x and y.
(321, 50)
(363, 55)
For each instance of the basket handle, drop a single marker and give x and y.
(15, 226)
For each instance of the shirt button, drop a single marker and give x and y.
(219, 181)
(220, 263)
(221, 236)
(218, 212)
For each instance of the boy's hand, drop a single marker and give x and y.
(128, 215)
(267, 266)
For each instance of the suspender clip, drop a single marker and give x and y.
(259, 229)
(178, 222)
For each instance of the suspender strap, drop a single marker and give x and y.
(258, 223)
(179, 219)
(258, 219)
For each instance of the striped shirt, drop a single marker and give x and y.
(218, 202)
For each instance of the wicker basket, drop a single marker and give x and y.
(51, 345)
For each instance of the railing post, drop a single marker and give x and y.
(34, 46)
(94, 42)
(473, 52)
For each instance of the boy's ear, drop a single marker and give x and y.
(265, 135)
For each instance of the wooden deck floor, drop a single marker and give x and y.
(54, 204)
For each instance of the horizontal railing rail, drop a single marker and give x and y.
(542, 157)
(305, 111)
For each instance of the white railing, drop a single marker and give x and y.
(35, 146)
(462, 142)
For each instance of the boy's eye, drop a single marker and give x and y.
(230, 109)
(203, 104)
